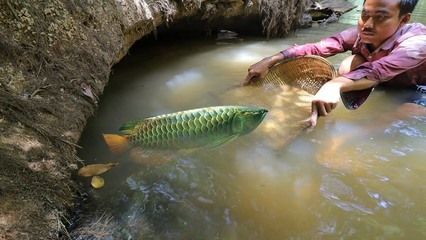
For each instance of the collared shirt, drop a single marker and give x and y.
(399, 61)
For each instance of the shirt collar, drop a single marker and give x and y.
(388, 44)
(392, 40)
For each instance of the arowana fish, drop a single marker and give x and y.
(211, 126)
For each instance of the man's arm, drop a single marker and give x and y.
(409, 54)
(338, 43)
(351, 85)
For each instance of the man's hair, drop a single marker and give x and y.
(405, 6)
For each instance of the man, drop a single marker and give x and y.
(386, 51)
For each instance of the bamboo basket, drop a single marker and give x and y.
(308, 73)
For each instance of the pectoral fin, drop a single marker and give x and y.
(150, 158)
(219, 142)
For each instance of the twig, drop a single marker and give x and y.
(39, 69)
(12, 10)
(61, 226)
(39, 90)
(70, 143)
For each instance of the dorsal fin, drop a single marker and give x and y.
(128, 127)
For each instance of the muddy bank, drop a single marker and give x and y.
(55, 59)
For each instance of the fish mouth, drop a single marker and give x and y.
(264, 112)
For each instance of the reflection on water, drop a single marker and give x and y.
(357, 175)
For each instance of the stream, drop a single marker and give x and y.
(357, 175)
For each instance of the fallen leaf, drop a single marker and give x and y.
(95, 169)
(97, 182)
(87, 91)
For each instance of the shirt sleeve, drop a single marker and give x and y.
(409, 54)
(338, 43)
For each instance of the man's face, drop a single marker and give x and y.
(379, 20)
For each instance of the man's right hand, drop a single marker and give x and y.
(260, 69)
(257, 71)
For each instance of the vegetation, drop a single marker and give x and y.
(279, 17)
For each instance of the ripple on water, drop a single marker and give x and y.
(401, 151)
(381, 202)
(404, 128)
(342, 195)
(173, 195)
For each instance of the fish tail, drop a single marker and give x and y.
(116, 143)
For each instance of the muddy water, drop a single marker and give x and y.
(357, 175)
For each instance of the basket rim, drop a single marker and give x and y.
(316, 57)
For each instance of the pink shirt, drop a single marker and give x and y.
(399, 61)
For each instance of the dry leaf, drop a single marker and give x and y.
(97, 182)
(87, 91)
(95, 169)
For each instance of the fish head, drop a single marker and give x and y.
(247, 119)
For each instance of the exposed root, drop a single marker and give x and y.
(101, 228)
(166, 7)
(280, 16)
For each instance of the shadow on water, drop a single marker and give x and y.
(357, 175)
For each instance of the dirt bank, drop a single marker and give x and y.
(55, 59)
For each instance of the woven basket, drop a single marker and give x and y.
(308, 73)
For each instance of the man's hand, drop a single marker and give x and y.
(257, 71)
(324, 101)
(261, 68)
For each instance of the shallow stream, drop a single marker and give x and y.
(357, 175)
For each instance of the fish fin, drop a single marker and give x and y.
(150, 158)
(216, 144)
(139, 152)
(128, 127)
(188, 151)
(116, 143)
